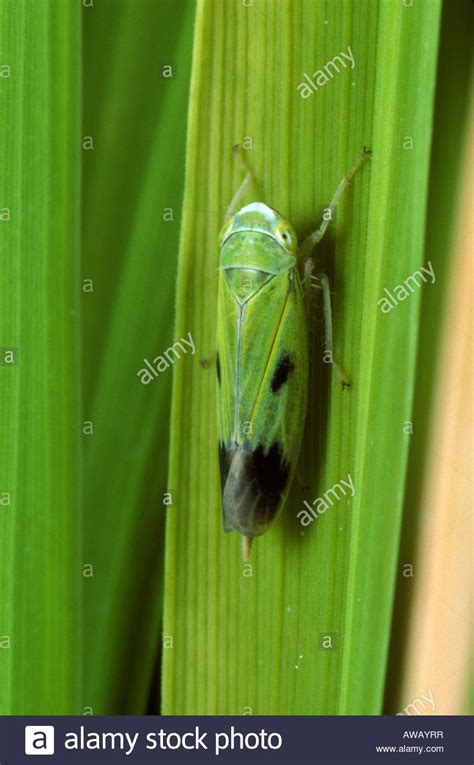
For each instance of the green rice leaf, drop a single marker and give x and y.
(40, 656)
(305, 628)
(133, 114)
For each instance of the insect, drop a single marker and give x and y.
(262, 355)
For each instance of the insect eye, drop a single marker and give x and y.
(284, 235)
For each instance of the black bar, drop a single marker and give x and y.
(285, 740)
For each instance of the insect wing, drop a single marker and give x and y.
(263, 360)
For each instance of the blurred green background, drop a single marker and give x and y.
(92, 177)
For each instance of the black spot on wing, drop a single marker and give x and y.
(218, 368)
(268, 472)
(254, 485)
(282, 372)
(225, 458)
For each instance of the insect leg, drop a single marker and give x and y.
(317, 235)
(328, 349)
(307, 280)
(242, 190)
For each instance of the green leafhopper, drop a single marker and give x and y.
(262, 356)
